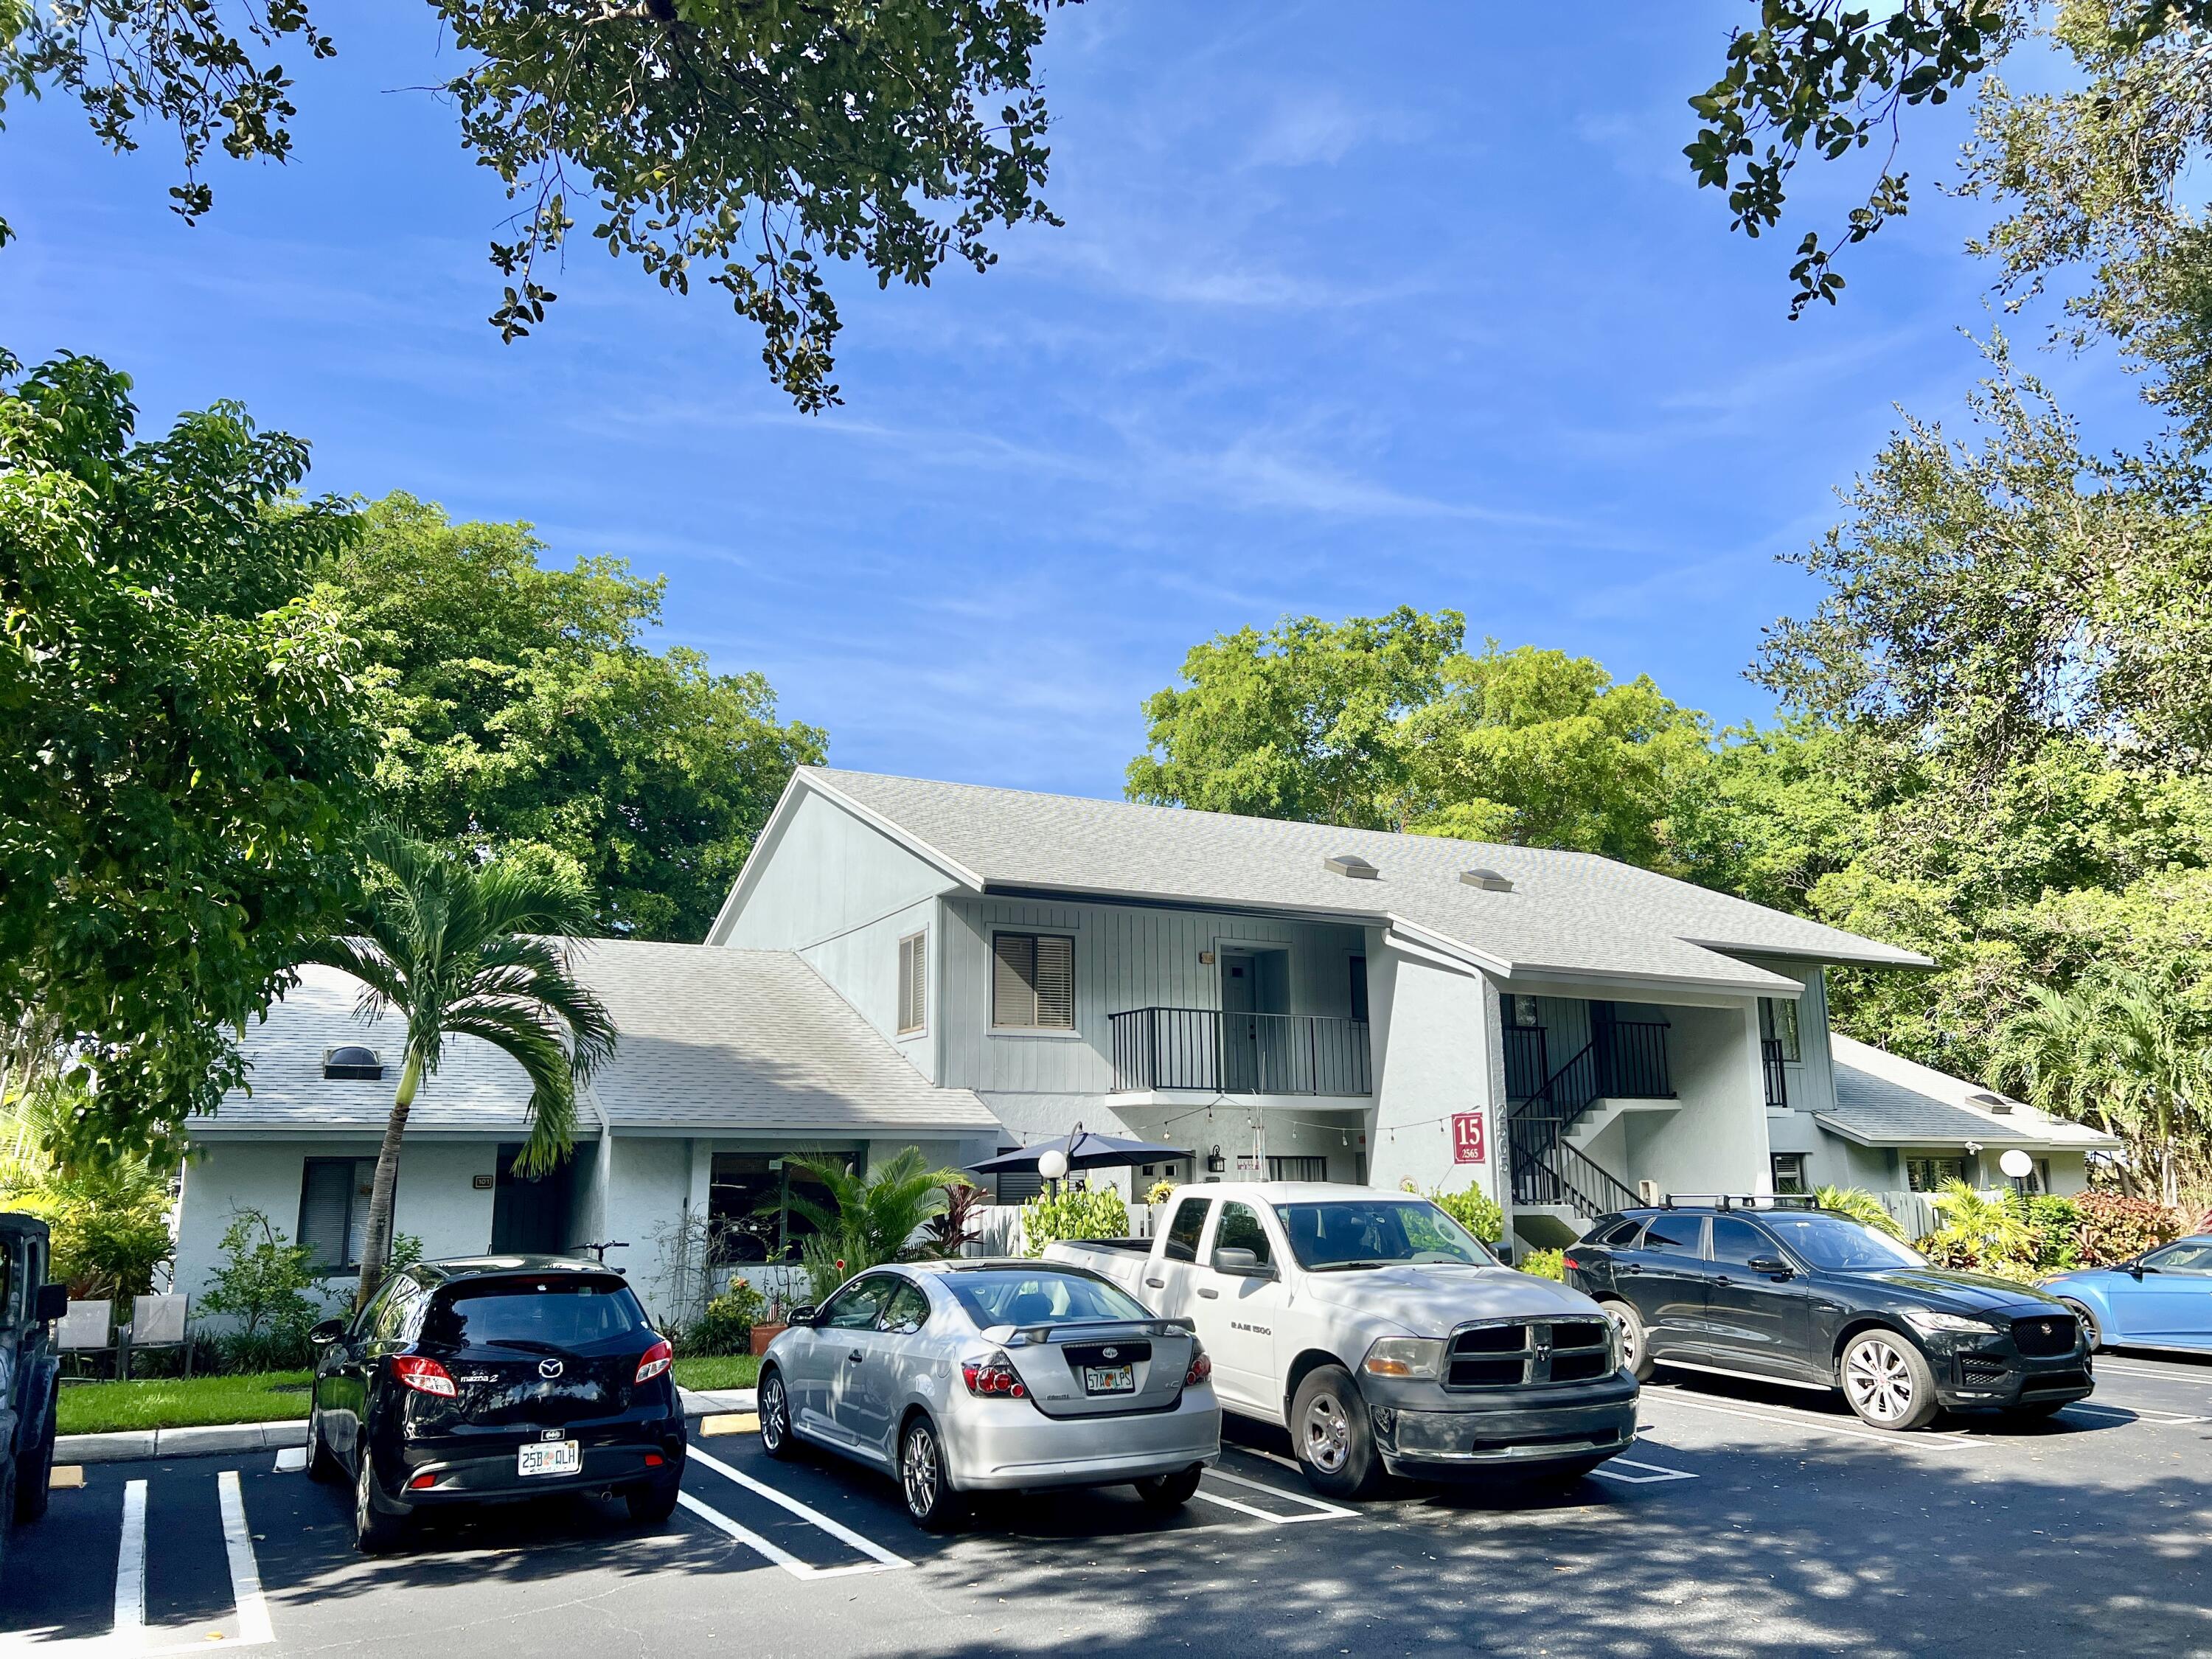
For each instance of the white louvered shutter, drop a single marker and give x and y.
(914, 983)
(1055, 982)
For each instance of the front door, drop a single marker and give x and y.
(529, 1215)
(1170, 1275)
(1755, 1321)
(1664, 1278)
(1242, 1312)
(866, 1392)
(1255, 1045)
(844, 1332)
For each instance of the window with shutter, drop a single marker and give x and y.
(914, 983)
(1033, 981)
(334, 1195)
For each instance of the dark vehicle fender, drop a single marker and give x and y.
(1850, 1324)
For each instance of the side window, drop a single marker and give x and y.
(1738, 1243)
(1622, 1232)
(856, 1307)
(1240, 1230)
(2192, 1255)
(907, 1311)
(395, 1313)
(1676, 1234)
(1033, 981)
(1185, 1226)
(370, 1319)
(913, 982)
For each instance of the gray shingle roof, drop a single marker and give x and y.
(1569, 912)
(1884, 1100)
(714, 1040)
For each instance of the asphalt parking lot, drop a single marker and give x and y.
(1747, 1519)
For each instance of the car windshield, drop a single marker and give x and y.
(559, 1311)
(1039, 1296)
(1832, 1245)
(1338, 1235)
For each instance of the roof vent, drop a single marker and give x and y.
(1990, 1102)
(1351, 864)
(352, 1061)
(1489, 880)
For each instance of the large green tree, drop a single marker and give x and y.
(738, 143)
(1386, 723)
(181, 757)
(519, 706)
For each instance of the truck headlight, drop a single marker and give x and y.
(1927, 1319)
(1411, 1358)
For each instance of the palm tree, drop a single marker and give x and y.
(479, 949)
(873, 1218)
(2122, 1051)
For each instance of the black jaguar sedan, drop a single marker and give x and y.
(1786, 1293)
(490, 1380)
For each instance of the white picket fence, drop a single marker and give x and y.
(1000, 1231)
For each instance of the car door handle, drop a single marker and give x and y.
(1722, 1279)
(1630, 1268)
(1202, 1290)
(853, 1358)
(1157, 1284)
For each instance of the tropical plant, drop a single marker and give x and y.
(824, 1269)
(959, 1223)
(1984, 1232)
(2055, 1224)
(107, 1210)
(726, 1326)
(870, 1218)
(2116, 1227)
(1073, 1211)
(1856, 1204)
(1160, 1192)
(265, 1281)
(1544, 1264)
(1474, 1210)
(458, 948)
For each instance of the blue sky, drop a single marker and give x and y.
(1354, 307)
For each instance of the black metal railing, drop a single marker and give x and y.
(1207, 1050)
(1778, 1080)
(1632, 1062)
(1527, 1060)
(1547, 1170)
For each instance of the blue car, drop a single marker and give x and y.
(2161, 1299)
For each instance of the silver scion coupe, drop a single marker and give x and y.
(975, 1376)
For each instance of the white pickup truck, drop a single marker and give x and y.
(1381, 1334)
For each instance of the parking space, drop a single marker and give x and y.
(1745, 1518)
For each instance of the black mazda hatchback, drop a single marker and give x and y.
(490, 1380)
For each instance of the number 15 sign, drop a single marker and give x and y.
(1468, 1146)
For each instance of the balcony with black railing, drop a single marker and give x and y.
(1208, 1051)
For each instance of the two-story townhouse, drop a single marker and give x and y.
(1303, 1002)
(962, 969)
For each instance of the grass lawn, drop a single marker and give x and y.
(736, 1371)
(170, 1402)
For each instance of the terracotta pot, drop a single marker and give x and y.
(765, 1334)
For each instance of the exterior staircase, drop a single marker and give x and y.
(1558, 1189)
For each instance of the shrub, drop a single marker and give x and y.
(1161, 1192)
(1982, 1232)
(824, 1269)
(1856, 1204)
(1544, 1264)
(1073, 1212)
(955, 1227)
(2116, 1227)
(108, 1237)
(727, 1325)
(2054, 1223)
(265, 1283)
(1475, 1211)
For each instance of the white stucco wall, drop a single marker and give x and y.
(1441, 1058)
(1716, 1142)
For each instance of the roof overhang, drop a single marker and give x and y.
(1997, 1135)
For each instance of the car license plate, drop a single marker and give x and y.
(1110, 1379)
(549, 1457)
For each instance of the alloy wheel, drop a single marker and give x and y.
(774, 1414)
(1879, 1382)
(1627, 1331)
(1325, 1435)
(918, 1470)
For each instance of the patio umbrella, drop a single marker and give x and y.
(1087, 1151)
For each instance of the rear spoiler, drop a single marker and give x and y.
(1018, 1336)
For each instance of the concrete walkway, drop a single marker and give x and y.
(225, 1439)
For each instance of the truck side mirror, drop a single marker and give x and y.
(1228, 1259)
(53, 1303)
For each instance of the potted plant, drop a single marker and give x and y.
(772, 1324)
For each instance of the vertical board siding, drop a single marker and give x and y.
(1126, 956)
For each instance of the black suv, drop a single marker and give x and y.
(1780, 1290)
(491, 1379)
(30, 1374)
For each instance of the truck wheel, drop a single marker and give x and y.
(34, 1473)
(1635, 1346)
(1887, 1381)
(1333, 1435)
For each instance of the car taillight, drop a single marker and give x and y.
(653, 1361)
(1571, 1261)
(1201, 1367)
(424, 1376)
(994, 1376)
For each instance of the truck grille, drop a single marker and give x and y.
(2044, 1335)
(1513, 1353)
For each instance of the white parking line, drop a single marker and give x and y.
(291, 1460)
(1909, 1442)
(2193, 1376)
(752, 1540)
(1321, 1511)
(253, 1626)
(1657, 1473)
(130, 1629)
(2130, 1414)
(837, 1529)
